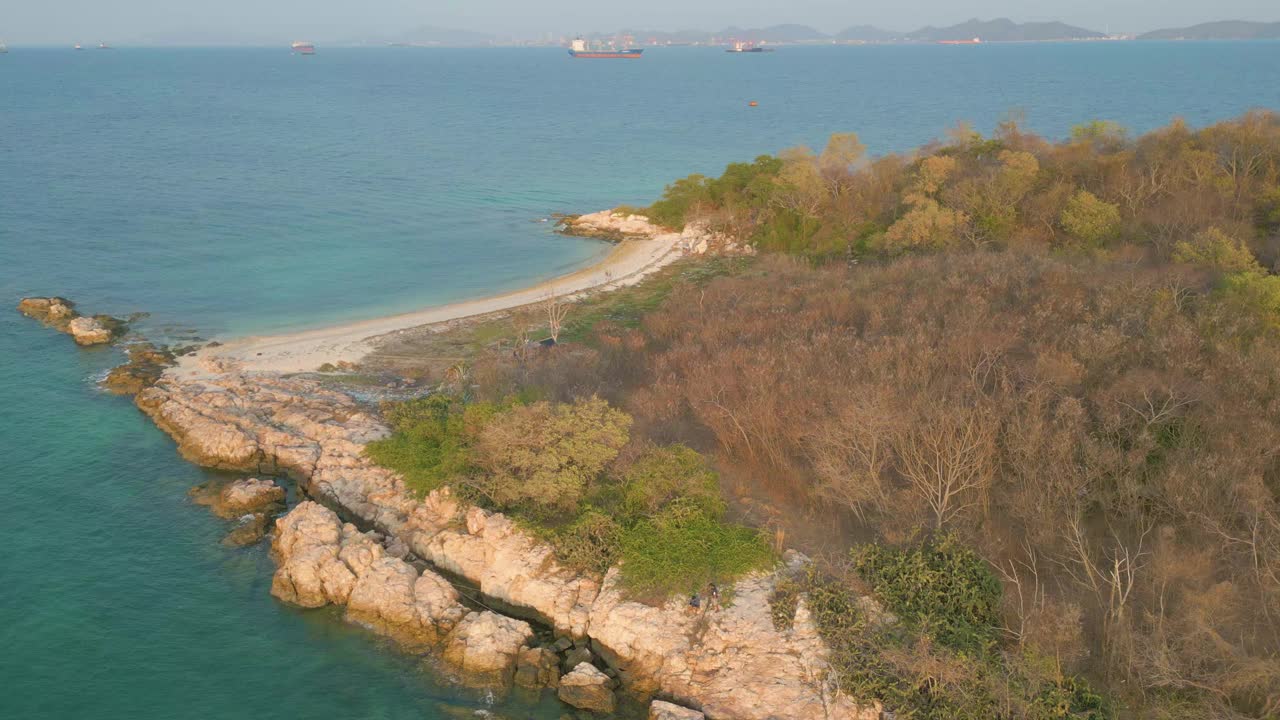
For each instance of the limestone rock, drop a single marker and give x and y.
(487, 645)
(307, 543)
(662, 710)
(587, 688)
(60, 313)
(88, 331)
(54, 311)
(537, 668)
(610, 225)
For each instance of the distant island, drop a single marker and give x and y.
(998, 30)
(1224, 30)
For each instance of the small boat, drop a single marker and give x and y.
(301, 47)
(103, 46)
(77, 47)
(3, 48)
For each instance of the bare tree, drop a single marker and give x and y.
(949, 461)
(557, 310)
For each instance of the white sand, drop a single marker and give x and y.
(308, 350)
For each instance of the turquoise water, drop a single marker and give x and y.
(234, 191)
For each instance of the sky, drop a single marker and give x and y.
(62, 21)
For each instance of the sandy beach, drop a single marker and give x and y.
(307, 350)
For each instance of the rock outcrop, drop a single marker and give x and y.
(61, 314)
(323, 561)
(732, 663)
(662, 710)
(697, 238)
(586, 688)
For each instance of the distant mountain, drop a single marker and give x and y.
(430, 35)
(1225, 30)
(867, 33)
(1003, 30)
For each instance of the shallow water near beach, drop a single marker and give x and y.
(248, 190)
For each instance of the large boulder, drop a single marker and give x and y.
(89, 331)
(662, 710)
(307, 543)
(586, 688)
(486, 645)
(393, 598)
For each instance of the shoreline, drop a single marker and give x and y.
(635, 257)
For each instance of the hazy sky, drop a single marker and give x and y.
(57, 21)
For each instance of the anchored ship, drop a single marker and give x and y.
(3, 48)
(974, 41)
(302, 47)
(747, 47)
(600, 51)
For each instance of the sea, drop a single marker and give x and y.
(232, 191)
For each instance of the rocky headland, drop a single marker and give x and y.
(459, 584)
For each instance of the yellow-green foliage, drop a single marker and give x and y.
(1217, 250)
(1090, 220)
(430, 445)
(546, 456)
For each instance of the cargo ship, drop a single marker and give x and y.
(747, 47)
(303, 48)
(974, 41)
(599, 51)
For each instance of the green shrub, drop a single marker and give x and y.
(665, 474)
(940, 588)
(431, 439)
(681, 549)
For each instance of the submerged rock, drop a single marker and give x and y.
(537, 668)
(146, 364)
(587, 688)
(248, 531)
(248, 495)
(60, 313)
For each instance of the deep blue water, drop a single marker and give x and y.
(248, 190)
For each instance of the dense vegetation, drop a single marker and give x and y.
(1043, 377)
(556, 466)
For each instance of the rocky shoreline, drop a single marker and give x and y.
(728, 664)
(458, 584)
